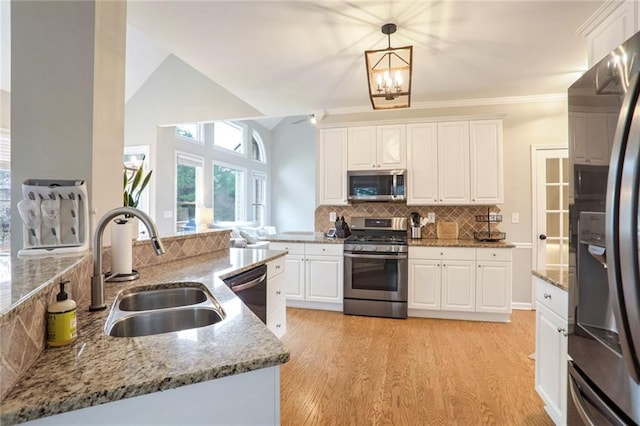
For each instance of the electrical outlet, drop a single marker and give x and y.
(332, 216)
(515, 217)
(431, 217)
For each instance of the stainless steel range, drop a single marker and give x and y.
(376, 267)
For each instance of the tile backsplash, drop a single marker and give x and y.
(465, 216)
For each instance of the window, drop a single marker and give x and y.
(189, 175)
(190, 131)
(259, 197)
(134, 156)
(257, 148)
(228, 192)
(229, 136)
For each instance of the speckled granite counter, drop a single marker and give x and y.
(436, 242)
(97, 368)
(557, 277)
(317, 237)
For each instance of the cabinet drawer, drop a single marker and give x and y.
(552, 297)
(292, 248)
(276, 292)
(276, 267)
(277, 321)
(502, 254)
(449, 253)
(324, 249)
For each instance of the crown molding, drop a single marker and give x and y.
(596, 18)
(552, 97)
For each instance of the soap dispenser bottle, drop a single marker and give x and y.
(61, 319)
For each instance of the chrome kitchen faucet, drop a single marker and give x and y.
(97, 280)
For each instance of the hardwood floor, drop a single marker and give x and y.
(350, 370)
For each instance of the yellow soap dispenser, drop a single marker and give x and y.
(61, 319)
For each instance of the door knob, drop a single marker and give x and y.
(542, 237)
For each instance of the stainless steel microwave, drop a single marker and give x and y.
(376, 185)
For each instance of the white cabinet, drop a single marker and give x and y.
(422, 164)
(276, 297)
(485, 162)
(493, 280)
(460, 283)
(598, 130)
(453, 162)
(332, 167)
(314, 274)
(551, 349)
(614, 29)
(377, 147)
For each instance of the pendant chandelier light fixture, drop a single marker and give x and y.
(389, 74)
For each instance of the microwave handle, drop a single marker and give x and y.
(394, 186)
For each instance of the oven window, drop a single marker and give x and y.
(374, 274)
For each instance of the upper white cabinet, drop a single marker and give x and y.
(598, 130)
(377, 147)
(453, 162)
(422, 164)
(619, 22)
(332, 167)
(485, 162)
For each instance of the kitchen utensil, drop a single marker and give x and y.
(51, 217)
(423, 221)
(415, 219)
(30, 214)
(447, 230)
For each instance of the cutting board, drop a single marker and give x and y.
(447, 230)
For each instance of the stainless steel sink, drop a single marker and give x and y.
(163, 308)
(162, 298)
(163, 321)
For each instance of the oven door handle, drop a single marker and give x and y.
(376, 256)
(252, 283)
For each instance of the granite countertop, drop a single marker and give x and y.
(557, 277)
(97, 369)
(441, 242)
(303, 237)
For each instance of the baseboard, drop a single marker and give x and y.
(522, 306)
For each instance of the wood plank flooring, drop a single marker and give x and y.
(351, 370)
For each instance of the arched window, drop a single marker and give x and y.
(257, 148)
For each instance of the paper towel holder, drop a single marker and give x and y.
(122, 276)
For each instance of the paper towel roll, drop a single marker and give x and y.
(121, 246)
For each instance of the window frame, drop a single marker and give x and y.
(242, 126)
(241, 205)
(199, 190)
(199, 138)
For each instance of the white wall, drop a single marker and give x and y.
(293, 175)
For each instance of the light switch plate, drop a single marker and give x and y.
(515, 217)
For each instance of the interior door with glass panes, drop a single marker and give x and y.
(551, 208)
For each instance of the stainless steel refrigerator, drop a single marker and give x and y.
(604, 315)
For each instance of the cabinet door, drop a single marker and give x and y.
(294, 277)
(276, 292)
(361, 152)
(597, 139)
(578, 133)
(422, 164)
(453, 162)
(332, 176)
(551, 362)
(324, 278)
(391, 147)
(424, 284)
(277, 321)
(458, 285)
(613, 30)
(493, 287)
(485, 164)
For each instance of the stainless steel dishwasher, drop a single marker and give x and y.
(251, 287)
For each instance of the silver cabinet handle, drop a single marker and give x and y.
(278, 292)
(547, 296)
(277, 266)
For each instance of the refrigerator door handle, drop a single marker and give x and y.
(583, 397)
(621, 273)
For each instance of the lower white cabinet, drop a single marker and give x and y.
(276, 297)
(314, 274)
(460, 283)
(551, 349)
